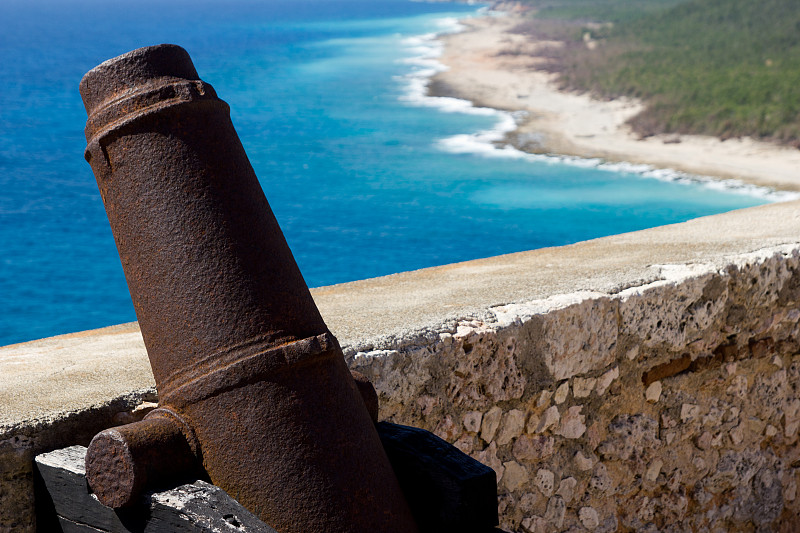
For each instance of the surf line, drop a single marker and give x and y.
(423, 53)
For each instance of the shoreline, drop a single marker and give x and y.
(490, 66)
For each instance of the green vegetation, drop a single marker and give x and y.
(616, 11)
(720, 67)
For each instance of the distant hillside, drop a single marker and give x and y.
(721, 67)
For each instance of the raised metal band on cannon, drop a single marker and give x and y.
(238, 348)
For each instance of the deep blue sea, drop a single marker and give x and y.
(365, 174)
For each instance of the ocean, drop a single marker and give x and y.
(366, 174)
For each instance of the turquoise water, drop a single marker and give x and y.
(366, 176)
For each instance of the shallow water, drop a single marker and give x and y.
(366, 175)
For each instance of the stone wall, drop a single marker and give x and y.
(667, 406)
(20, 445)
(639, 382)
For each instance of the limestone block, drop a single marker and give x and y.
(529, 502)
(556, 509)
(589, 518)
(699, 464)
(447, 429)
(484, 370)
(490, 423)
(689, 411)
(549, 419)
(605, 380)
(600, 480)
(544, 398)
(573, 424)
(561, 393)
(465, 443)
(654, 470)
(675, 479)
(595, 434)
(582, 462)
(579, 338)
(771, 391)
(533, 423)
(762, 276)
(427, 404)
(396, 376)
(545, 482)
(684, 304)
(737, 435)
(583, 387)
(490, 459)
(511, 427)
(566, 489)
(472, 421)
(704, 441)
(630, 436)
(515, 475)
(633, 353)
(535, 524)
(533, 449)
(645, 512)
(653, 392)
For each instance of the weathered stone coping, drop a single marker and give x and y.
(60, 391)
(397, 310)
(46, 380)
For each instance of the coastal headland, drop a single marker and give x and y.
(493, 66)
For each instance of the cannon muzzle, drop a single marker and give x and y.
(252, 385)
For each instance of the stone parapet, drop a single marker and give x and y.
(644, 381)
(668, 406)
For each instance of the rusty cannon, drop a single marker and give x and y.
(253, 389)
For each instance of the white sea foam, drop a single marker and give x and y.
(424, 52)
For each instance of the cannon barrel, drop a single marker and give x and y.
(250, 380)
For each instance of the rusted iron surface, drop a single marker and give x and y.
(126, 459)
(237, 346)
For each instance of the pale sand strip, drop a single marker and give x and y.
(492, 67)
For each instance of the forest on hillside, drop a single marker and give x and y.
(726, 68)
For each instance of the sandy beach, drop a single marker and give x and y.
(493, 67)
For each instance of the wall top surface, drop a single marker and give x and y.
(49, 379)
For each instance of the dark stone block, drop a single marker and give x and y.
(447, 490)
(197, 507)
